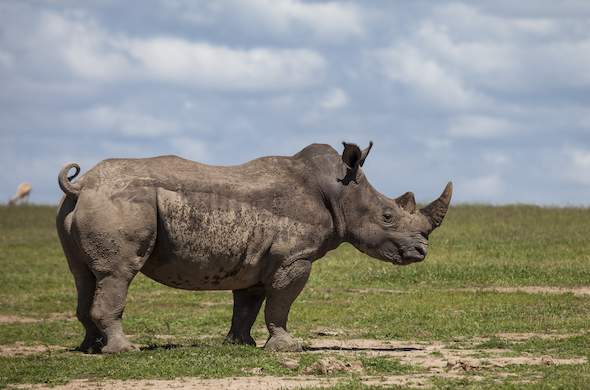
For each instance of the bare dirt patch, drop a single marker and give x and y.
(242, 383)
(14, 319)
(20, 349)
(174, 338)
(433, 359)
(530, 335)
(330, 365)
(435, 356)
(376, 290)
(578, 291)
(515, 337)
(325, 332)
(213, 303)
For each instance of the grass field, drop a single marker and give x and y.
(479, 312)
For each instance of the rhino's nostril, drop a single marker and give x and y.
(421, 249)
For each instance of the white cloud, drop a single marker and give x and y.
(515, 53)
(496, 158)
(472, 56)
(330, 21)
(408, 64)
(481, 188)
(468, 19)
(435, 143)
(334, 99)
(540, 26)
(83, 46)
(93, 54)
(188, 105)
(556, 64)
(89, 61)
(460, 57)
(485, 94)
(203, 64)
(326, 20)
(479, 126)
(122, 121)
(578, 167)
(283, 102)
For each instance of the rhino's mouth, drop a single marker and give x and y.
(415, 254)
(399, 256)
(392, 254)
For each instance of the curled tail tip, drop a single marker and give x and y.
(69, 188)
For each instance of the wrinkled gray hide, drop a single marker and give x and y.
(254, 229)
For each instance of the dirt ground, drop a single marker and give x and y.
(14, 319)
(438, 357)
(578, 291)
(454, 359)
(237, 383)
(449, 359)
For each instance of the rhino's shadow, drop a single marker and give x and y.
(155, 347)
(168, 346)
(360, 349)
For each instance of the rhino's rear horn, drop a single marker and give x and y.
(407, 202)
(435, 211)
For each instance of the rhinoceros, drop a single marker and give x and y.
(254, 228)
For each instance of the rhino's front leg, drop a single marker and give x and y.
(285, 286)
(247, 304)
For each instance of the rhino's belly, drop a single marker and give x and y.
(207, 242)
(189, 274)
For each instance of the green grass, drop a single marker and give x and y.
(477, 246)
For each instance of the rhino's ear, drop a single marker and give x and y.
(353, 158)
(366, 153)
(407, 202)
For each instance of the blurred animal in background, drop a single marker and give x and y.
(22, 194)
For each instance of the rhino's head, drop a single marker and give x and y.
(392, 230)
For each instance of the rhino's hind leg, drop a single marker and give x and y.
(85, 286)
(247, 304)
(110, 297)
(107, 311)
(117, 237)
(286, 285)
(84, 279)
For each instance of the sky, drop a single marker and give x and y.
(493, 95)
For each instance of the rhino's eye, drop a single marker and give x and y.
(387, 217)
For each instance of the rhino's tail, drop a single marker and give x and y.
(69, 188)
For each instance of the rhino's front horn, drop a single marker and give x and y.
(435, 211)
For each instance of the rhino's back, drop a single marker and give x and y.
(174, 173)
(283, 185)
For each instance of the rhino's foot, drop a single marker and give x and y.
(239, 339)
(90, 345)
(119, 344)
(283, 343)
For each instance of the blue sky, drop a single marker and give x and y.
(492, 95)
